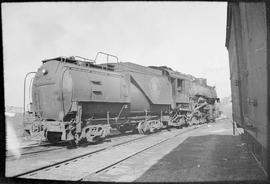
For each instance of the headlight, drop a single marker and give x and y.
(44, 71)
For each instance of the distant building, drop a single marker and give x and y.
(12, 109)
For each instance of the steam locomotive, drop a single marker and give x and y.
(76, 99)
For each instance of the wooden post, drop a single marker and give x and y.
(233, 123)
(108, 118)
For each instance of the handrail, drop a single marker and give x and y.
(104, 53)
(85, 59)
(30, 92)
(24, 91)
(125, 106)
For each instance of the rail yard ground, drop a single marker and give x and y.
(210, 153)
(204, 153)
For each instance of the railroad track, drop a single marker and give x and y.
(46, 147)
(78, 167)
(37, 148)
(41, 150)
(70, 159)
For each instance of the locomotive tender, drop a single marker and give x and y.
(76, 99)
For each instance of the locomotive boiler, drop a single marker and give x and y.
(77, 99)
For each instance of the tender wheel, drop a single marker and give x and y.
(194, 121)
(95, 133)
(141, 127)
(182, 122)
(155, 125)
(71, 144)
(135, 130)
(54, 137)
(26, 133)
(122, 130)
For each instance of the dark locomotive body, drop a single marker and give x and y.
(75, 99)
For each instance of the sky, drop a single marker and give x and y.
(187, 36)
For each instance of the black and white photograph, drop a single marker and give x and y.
(141, 91)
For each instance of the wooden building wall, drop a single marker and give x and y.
(248, 48)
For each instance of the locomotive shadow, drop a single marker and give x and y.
(209, 157)
(56, 144)
(100, 141)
